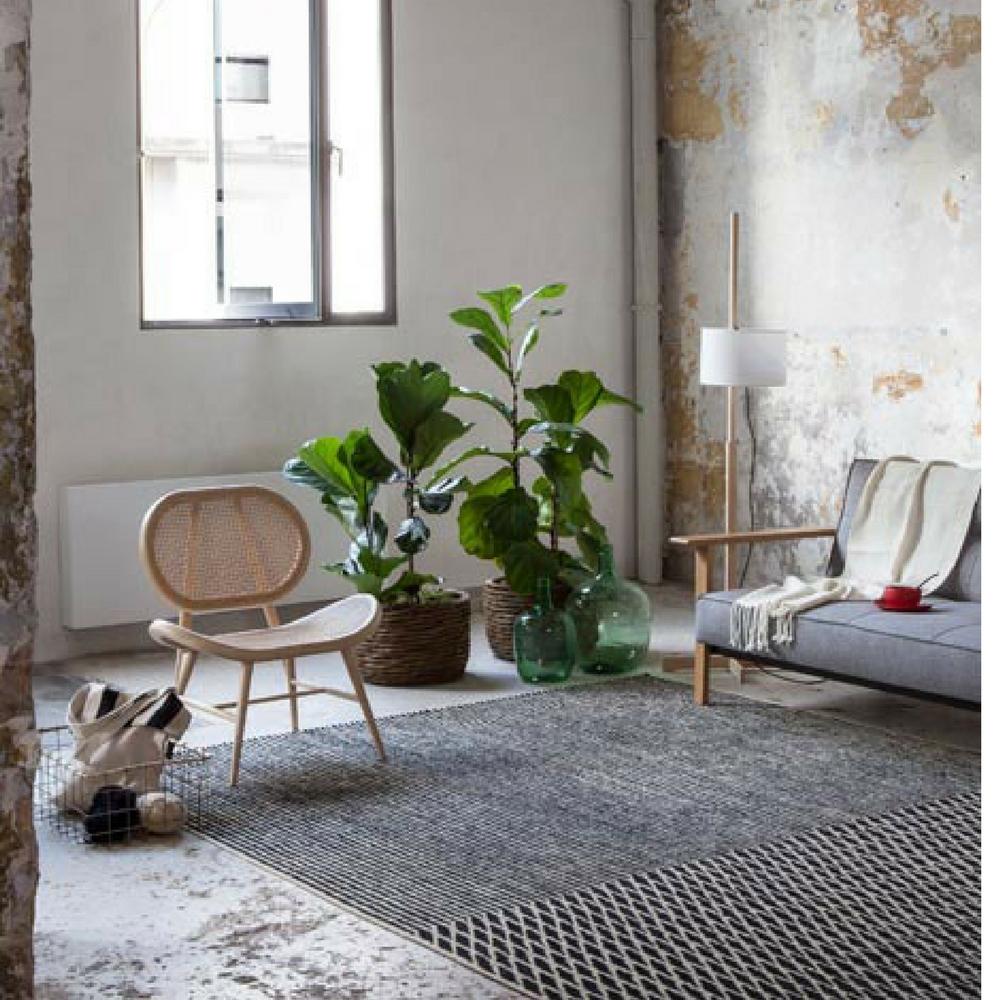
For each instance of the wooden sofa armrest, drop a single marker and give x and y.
(703, 545)
(761, 537)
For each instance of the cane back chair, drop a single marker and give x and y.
(226, 548)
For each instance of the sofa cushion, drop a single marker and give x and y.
(935, 653)
(963, 584)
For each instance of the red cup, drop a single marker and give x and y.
(896, 596)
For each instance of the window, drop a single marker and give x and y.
(265, 161)
(245, 78)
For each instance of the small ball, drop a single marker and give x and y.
(162, 812)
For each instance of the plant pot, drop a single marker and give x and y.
(419, 643)
(502, 606)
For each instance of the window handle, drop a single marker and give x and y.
(335, 151)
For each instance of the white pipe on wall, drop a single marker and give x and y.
(646, 298)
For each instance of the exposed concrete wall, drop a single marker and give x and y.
(846, 133)
(18, 739)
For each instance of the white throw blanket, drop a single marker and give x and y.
(910, 523)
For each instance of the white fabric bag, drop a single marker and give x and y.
(121, 739)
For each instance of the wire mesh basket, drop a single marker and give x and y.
(144, 798)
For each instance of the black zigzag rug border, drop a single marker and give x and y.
(884, 907)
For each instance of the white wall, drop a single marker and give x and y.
(512, 142)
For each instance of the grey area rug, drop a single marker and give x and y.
(487, 807)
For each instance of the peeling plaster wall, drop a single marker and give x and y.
(846, 133)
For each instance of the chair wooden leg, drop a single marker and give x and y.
(293, 698)
(359, 689)
(185, 665)
(241, 721)
(701, 665)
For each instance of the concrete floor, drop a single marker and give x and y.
(180, 919)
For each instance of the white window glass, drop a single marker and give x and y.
(355, 124)
(178, 160)
(265, 173)
(247, 78)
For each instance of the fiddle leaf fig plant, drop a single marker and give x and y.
(349, 473)
(523, 525)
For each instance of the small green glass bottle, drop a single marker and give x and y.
(612, 619)
(544, 640)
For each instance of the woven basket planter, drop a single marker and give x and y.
(503, 606)
(418, 643)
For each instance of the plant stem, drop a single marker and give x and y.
(515, 436)
(411, 483)
(554, 530)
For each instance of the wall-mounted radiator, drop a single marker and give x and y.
(102, 577)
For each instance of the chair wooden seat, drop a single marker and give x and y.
(225, 548)
(328, 630)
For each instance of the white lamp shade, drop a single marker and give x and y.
(742, 357)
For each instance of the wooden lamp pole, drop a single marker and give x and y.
(731, 404)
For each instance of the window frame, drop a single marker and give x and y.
(322, 156)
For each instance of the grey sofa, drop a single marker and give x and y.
(933, 655)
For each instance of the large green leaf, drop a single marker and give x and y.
(460, 392)
(346, 511)
(371, 536)
(503, 301)
(563, 470)
(579, 441)
(407, 397)
(391, 367)
(435, 501)
(487, 337)
(371, 462)
(480, 451)
(492, 486)
(527, 346)
(439, 498)
(364, 583)
(474, 318)
(297, 471)
(482, 343)
(432, 436)
(491, 520)
(332, 462)
(551, 402)
(367, 571)
(587, 392)
(325, 460)
(409, 585)
(513, 517)
(524, 563)
(473, 533)
(552, 291)
(413, 536)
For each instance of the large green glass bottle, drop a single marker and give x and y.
(544, 640)
(612, 621)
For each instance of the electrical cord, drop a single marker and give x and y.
(751, 430)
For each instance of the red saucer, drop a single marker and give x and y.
(895, 607)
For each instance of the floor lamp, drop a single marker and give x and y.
(735, 358)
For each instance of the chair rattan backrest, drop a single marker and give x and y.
(224, 547)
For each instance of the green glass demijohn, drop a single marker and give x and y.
(612, 621)
(544, 640)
